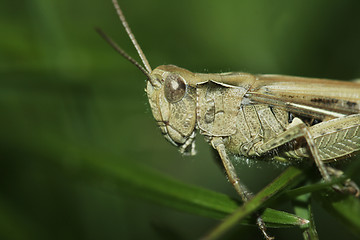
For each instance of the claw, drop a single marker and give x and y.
(262, 227)
(349, 187)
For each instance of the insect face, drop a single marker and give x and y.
(173, 104)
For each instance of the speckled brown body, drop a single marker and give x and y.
(250, 111)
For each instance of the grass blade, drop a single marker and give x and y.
(289, 177)
(279, 219)
(302, 207)
(105, 171)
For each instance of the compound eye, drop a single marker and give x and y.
(174, 87)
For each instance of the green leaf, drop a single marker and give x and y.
(94, 167)
(302, 207)
(279, 219)
(345, 208)
(154, 186)
(288, 178)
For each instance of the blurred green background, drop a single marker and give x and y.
(67, 97)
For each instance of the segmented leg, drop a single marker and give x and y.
(343, 131)
(349, 186)
(240, 188)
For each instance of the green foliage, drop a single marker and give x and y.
(81, 156)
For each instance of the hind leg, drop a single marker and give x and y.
(327, 141)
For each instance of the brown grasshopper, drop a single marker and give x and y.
(253, 115)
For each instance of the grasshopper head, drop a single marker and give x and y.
(173, 104)
(172, 100)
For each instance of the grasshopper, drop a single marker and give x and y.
(253, 115)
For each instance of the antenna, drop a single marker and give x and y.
(132, 37)
(122, 52)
